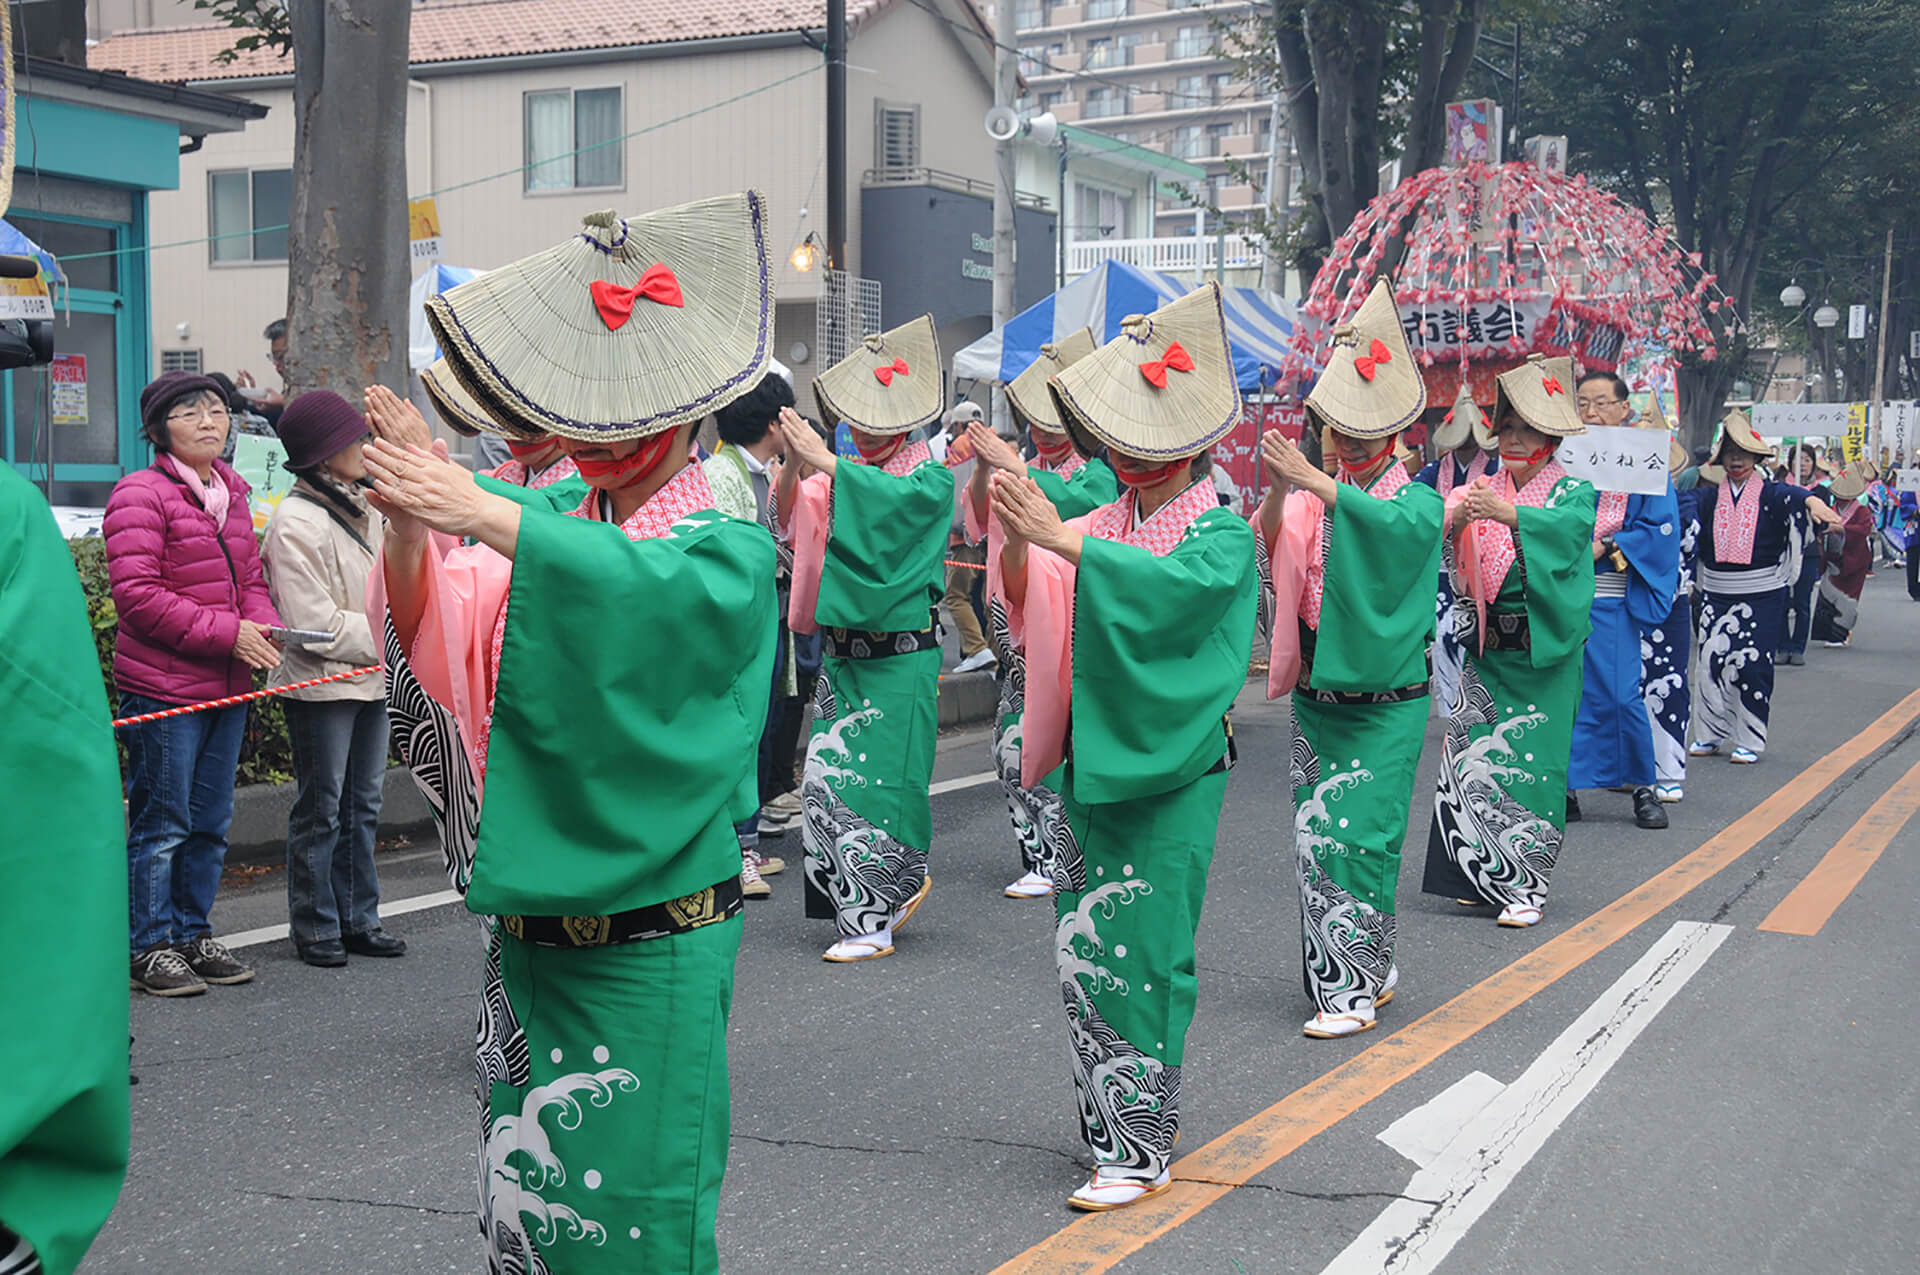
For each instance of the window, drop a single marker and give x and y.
(1026, 17)
(1190, 90)
(1100, 53)
(180, 361)
(1106, 214)
(1098, 9)
(1192, 42)
(1050, 100)
(1189, 142)
(247, 214)
(1217, 133)
(1033, 60)
(1219, 86)
(896, 135)
(573, 139)
(1103, 101)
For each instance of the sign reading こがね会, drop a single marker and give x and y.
(1618, 458)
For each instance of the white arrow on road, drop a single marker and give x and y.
(1414, 1234)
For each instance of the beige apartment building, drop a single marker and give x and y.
(1152, 73)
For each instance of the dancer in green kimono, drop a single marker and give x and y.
(63, 892)
(1077, 484)
(1348, 558)
(1520, 551)
(1136, 619)
(869, 545)
(581, 696)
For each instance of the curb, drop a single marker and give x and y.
(259, 832)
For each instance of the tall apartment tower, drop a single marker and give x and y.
(1153, 73)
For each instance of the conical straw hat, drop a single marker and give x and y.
(1540, 392)
(1370, 387)
(1028, 391)
(1715, 474)
(1870, 471)
(1653, 417)
(1115, 391)
(890, 384)
(1737, 430)
(1677, 458)
(560, 342)
(1849, 483)
(460, 410)
(1464, 418)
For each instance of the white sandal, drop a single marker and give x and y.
(1385, 996)
(912, 905)
(1102, 1195)
(1519, 916)
(865, 948)
(1703, 748)
(1325, 1026)
(1669, 794)
(1744, 757)
(1031, 886)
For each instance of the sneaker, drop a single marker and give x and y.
(164, 972)
(750, 883)
(770, 865)
(210, 959)
(775, 826)
(787, 803)
(982, 658)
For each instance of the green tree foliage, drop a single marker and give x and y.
(263, 25)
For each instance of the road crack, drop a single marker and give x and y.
(1068, 1156)
(372, 1204)
(1330, 1197)
(827, 1146)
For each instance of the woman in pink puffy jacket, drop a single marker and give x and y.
(194, 620)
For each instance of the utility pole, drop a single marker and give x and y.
(1005, 88)
(1880, 360)
(837, 134)
(1279, 176)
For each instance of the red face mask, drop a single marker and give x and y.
(1373, 466)
(1053, 447)
(1151, 477)
(1526, 458)
(524, 452)
(880, 454)
(628, 470)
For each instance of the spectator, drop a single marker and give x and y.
(194, 621)
(319, 553)
(974, 651)
(741, 476)
(269, 403)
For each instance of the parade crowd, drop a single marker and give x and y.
(597, 659)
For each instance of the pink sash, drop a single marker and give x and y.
(812, 518)
(1044, 626)
(1293, 550)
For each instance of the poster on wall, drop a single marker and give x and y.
(423, 230)
(67, 389)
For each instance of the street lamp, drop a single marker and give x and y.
(1826, 316)
(807, 255)
(1793, 296)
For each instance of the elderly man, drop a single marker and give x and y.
(1636, 565)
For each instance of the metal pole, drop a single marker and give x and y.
(1060, 224)
(1005, 86)
(837, 134)
(1880, 360)
(1279, 169)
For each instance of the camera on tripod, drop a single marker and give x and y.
(23, 342)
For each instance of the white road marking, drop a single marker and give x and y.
(1414, 1234)
(1423, 1133)
(399, 907)
(421, 902)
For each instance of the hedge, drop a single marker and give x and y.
(265, 755)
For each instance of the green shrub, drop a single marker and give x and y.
(265, 755)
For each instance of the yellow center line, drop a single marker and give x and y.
(1814, 900)
(1099, 1241)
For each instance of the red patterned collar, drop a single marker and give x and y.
(904, 461)
(512, 471)
(687, 493)
(1164, 529)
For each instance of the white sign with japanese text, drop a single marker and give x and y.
(1619, 458)
(1483, 327)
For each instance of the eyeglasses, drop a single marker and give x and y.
(1595, 404)
(190, 414)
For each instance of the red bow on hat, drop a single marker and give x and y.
(615, 303)
(886, 372)
(1552, 386)
(1177, 359)
(1367, 363)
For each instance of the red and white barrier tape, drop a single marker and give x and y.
(231, 700)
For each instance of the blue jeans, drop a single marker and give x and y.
(180, 775)
(340, 763)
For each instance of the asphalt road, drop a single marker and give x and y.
(915, 1114)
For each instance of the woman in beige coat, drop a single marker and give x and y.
(319, 552)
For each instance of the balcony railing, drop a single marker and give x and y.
(1110, 55)
(1102, 107)
(1101, 9)
(1173, 256)
(1196, 47)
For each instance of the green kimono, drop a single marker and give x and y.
(561, 497)
(1162, 619)
(1359, 720)
(601, 849)
(1084, 486)
(63, 896)
(1500, 810)
(876, 709)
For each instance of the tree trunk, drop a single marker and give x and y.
(347, 267)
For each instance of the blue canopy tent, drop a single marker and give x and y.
(1258, 324)
(422, 349)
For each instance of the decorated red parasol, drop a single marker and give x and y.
(1494, 262)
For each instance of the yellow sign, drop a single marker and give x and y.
(1854, 444)
(25, 298)
(423, 229)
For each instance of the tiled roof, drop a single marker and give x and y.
(452, 30)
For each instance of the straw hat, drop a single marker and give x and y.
(1370, 387)
(890, 384)
(630, 328)
(1028, 391)
(1677, 458)
(1849, 483)
(1164, 388)
(1540, 392)
(461, 411)
(1715, 474)
(1465, 417)
(1737, 429)
(1824, 465)
(1869, 471)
